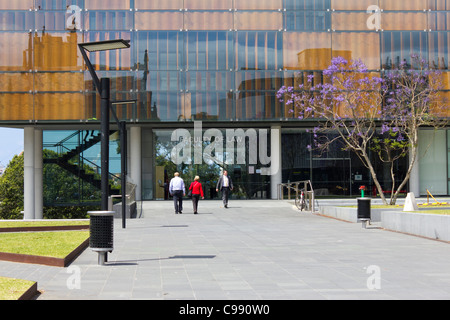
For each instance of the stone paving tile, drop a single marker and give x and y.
(255, 250)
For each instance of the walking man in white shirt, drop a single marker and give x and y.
(225, 185)
(177, 190)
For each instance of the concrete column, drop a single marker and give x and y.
(135, 160)
(38, 175)
(29, 186)
(276, 165)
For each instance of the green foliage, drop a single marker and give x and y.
(11, 190)
(62, 184)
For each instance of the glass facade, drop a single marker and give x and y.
(215, 61)
(197, 59)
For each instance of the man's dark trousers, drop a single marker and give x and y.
(178, 200)
(225, 193)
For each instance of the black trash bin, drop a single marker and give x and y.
(364, 210)
(101, 233)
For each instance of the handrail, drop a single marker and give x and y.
(297, 187)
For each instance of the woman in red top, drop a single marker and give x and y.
(197, 191)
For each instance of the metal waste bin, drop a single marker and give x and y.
(364, 210)
(101, 233)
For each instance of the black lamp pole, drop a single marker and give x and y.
(104, 89)
(104, 120)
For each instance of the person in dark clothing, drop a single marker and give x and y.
(225, 185)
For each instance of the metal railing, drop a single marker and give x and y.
(294, 189)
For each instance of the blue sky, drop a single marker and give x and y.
(11, 143)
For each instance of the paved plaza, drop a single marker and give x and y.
(254, 250)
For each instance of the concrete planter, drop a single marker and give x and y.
(348, 214)
(431, 226)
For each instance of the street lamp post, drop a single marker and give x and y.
(104, 89)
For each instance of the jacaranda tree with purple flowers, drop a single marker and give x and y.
(367, 112)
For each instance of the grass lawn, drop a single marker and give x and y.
(41, 223)
(49, 244)
(13, 289)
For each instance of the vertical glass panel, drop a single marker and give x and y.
(59, 106)
(208, 4)
(443, 5)
(111, 59)
(307, 20)
(109, 20)
(45, 45)
(439, 20)
(259, 50)
(350, 21)
(397, 47)
(164, 20)
(404, 21)
(107, 4)
(160, 50)
(439, 55)
(50, 20)
(205, 20)
(352, 4)
(16, 4)
(307, 4)
(158, 5)
(209, 51)
(433, 162)
(16, 54)
(306, 50)
(362, 46)
(16, 82)
(258, 4)
(247, 20)
(16, 20)
(16, 106)
(418, 5)
(57, 4)
(59, 81)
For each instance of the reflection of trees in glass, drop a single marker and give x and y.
(61, 186)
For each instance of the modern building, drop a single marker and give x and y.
(206, 65)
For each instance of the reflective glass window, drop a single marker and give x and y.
(439, 21)
(397, 47)
(111, 59)
(307, 20)
(109, 20)
(306, 50)
(416, 5)
(16, 106)
(208, 20)
(158, 5)
(17, 51)
(360, 5)
(439, 54)
(16, 4)
(258, 20)
(107, 4)
(307, 4)
(159, 20)
(16, 20)
(364, 46)
(208, 4)
(258, 4)
(259, 50)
